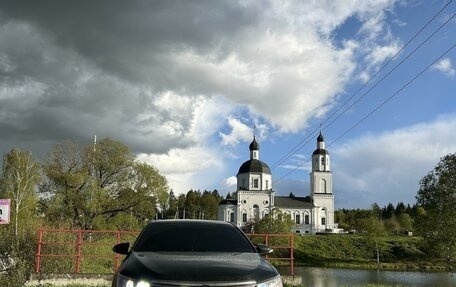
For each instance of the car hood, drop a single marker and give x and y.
(197, 266)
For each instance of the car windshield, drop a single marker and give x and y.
(180, 237)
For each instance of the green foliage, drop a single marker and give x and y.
(437, 197)
(21, 248)
(272, 224)
(100, 187)
(20, 176)
(193, 205)
(393, 220)
(330, 250)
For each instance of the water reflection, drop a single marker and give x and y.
(330, 277)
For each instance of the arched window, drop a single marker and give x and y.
(244, 216)
(323, 186)
(256, 211)
(297, 218)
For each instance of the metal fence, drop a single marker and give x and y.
(89, 251)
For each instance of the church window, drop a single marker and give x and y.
(243, 183)
(232, 217)
(323, 221)
(323, 186)
(244, 217)
(267, 184)
(298, 218)
(255, 183)
(256, 211)
(306, 219)
(322, 160)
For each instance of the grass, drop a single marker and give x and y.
(104, 283)
(70, 283)
(358, 251)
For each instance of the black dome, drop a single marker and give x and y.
(254, 145)
(254, 165)
(320, 151)
(320, 138)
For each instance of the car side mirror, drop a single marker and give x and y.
(121, 248)
(263, 249)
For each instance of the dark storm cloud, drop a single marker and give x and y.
(128, 37)
(72, 69)
(164, 77)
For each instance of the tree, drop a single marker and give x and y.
(405, 221)
(376, 210)
(437, 197)
(101, 186)
(20, 177)
(375, 228)
(400, 209)
(388, 211)
(276, 222)
(67, 188)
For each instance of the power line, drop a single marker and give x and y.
(393, 69)
(395, 94)
(377, 108)
(395, 55)
(309, 137)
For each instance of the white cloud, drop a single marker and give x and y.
(186, 168)
(387, 167)
(238, 132)
(382, 53)
(170, 87)
(230, 184)
(446, 67)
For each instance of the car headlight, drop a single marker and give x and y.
(124, 281)
(276, 282)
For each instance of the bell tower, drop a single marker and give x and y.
(321, 186)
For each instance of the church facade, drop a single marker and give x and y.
(255, 197)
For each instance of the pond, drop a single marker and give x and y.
(332, 277)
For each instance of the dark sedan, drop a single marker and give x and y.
(194, 253)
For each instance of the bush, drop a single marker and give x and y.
(21, 248)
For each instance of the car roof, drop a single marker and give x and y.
(192, 235)
(191, 222)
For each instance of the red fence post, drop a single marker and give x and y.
(292, 254)
(78, 251)
(116, 256)
(38, 251)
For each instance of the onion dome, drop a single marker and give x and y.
(320, 146)
(254, 145)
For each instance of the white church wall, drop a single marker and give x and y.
(255, 198)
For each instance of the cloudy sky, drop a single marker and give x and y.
(184, 83)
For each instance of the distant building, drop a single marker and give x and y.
(255, 197)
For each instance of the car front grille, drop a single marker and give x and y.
(203, 284)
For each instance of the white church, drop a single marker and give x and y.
(255, 197)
